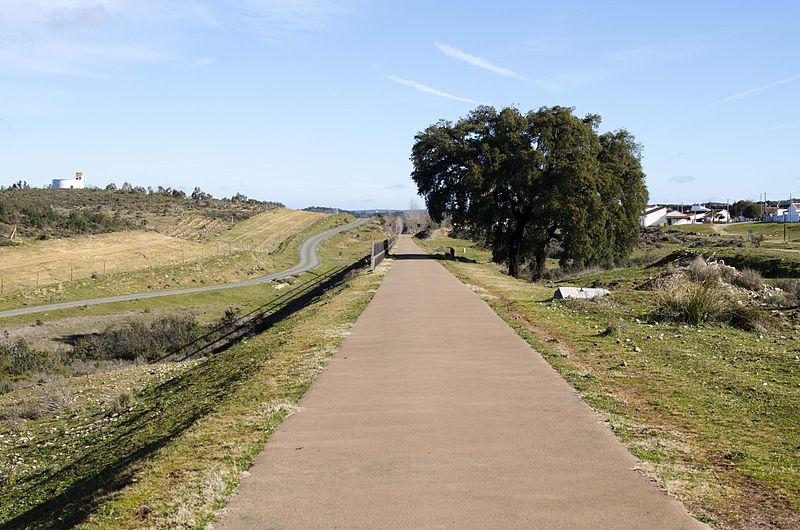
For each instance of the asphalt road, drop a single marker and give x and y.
(309, 260)
(436, 414)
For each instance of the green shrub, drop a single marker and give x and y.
(17, 358)
(18, 361)
(138, 340)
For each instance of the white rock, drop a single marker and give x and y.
(564, 293)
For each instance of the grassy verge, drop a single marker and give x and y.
(713, 412)
(162, 446)
(212, 270)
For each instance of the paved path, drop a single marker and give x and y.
(309, 260)
(435, 414)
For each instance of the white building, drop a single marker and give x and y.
(675, 217)
(653, 216)
(76, 183)
(773, 214)
(788, 215)
(721, 216)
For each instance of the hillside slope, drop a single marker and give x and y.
(45, 213)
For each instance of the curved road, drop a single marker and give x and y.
(309, 260)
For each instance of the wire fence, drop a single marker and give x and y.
(15, 277)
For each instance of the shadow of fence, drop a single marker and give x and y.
(65, 497)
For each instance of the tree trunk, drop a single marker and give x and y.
(540, 265)
(540, 255)
(514, 250)
(513, 260)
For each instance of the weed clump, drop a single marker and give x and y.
(613, 329)
(683, 300)
(790, 288)
(122, 402)
(712, 292)
(750, 279)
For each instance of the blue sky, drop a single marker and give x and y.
(316, 102)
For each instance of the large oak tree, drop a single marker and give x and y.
(518, 181)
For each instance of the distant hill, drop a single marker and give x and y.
(44, 213)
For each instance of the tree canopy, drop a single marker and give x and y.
(519, 181)
(746, 208)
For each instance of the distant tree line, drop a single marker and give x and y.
(197, 194)
(34, 217)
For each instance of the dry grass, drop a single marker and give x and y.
(749, 279)
(196, 228)
(269, 229)
(60, 260)
(41, 263)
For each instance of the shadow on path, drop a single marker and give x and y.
(65, 497)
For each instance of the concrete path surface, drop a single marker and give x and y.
(435, 414)
(309, 260)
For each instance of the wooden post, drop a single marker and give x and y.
(37, 279)
(1, 284)
(104, 266)
(71, 272)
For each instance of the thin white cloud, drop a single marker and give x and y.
(97, 38)
(778, 127)
(479, 62)
(683, 179)
(202, 63)
(273, 19)
(752, 91)
(429, 90)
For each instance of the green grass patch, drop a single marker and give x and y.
(773, 231)
(713, 412)
(163, 445)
